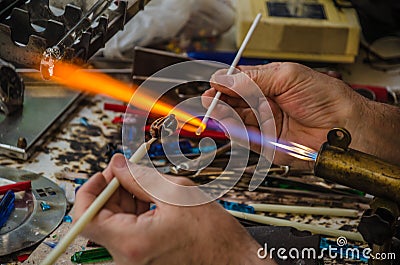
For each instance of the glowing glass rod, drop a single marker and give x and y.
(230, 71)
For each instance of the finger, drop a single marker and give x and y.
(223, 87)
(249, 116)
(207, 97)
(221, 110)
(119, 168)
(277, 116)
(227, 84)
(240, 102)
(273, 79)
(107, 228)
(144, 182)
(251, 67)
(209, 94)
(108, 172)
(122, 201)
(237, 108)
(88, 193)
(141, 206)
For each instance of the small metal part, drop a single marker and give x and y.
(22, 143)
(379, 227)
(378, 224)
(191, 89)
(164, 126)
(12, 89)
(339, 137)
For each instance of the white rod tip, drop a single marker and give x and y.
(199, 130)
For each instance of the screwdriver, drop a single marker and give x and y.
(6, 207)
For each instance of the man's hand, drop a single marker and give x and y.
(305, 104)
(169, 234)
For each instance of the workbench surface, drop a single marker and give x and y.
(79, 148)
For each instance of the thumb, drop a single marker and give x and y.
(119, 168)
(233, 85)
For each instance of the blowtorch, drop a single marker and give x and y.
(338, 163)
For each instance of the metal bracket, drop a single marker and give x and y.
(339, 137)
(28, 29)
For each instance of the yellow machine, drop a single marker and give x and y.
(303, 30)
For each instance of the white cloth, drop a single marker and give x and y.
(162, 20)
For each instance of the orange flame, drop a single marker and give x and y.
(98, 83)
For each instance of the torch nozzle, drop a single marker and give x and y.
(297, 150)
(338, 163)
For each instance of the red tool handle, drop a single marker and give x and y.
(124, 108)
(216, 135)
(379, 93)
(15, 187)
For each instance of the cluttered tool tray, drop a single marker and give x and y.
(28, 223)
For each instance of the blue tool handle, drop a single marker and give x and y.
(6, 207)
(225, 57)
(234, 206)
